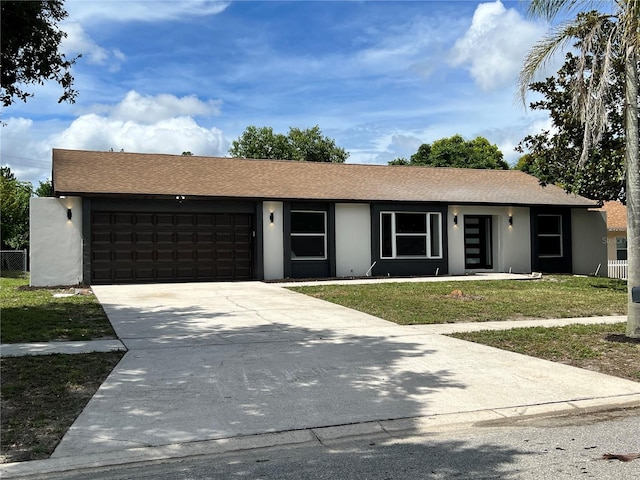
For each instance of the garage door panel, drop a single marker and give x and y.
(164, 220)
(101, 256)
(185, 274)
(242, 255)
(224, 255)
(185, 254)
(155, 247)
(185, 237)
(124, 219)
(145, 274)
(224, 238)
(122, 273)
(185, 221)
(101, 237)
(124, 256)
(165, 274)
(204, 255)
(242, 239)
(205, 221)
(242, 272)
(164, 255)
(144, 220)
(144, 238)
(223, 221)
(165, 238)
(204, 238)
(122, 238)
(102, 274)
(205, 272)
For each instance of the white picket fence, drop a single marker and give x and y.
(618, 269)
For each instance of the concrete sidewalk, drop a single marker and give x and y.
(47, 348)
(216, 367)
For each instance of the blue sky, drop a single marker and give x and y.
(380, 77)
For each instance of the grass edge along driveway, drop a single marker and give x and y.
(41, 396)
(33, 314)
(556, 296)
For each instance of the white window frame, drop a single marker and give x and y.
(427, 235)
(548, 235)
(323, 235)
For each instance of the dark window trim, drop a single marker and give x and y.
(323, 235)
(558, 235)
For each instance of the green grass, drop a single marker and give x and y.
(41, 397)
(485, 300)
(34, 315)
(603, 348)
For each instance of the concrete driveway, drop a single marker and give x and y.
(225, 360)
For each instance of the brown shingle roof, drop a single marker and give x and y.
(77, 172)
(616, 215)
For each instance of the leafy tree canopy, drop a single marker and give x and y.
(457, 152)
(555, 156)
(30, 49)
(14, 203)
(45, 189)
(302, 145)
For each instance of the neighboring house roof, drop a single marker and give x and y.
(616, 216)
(86, 173)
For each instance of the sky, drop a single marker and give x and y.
(379, 77)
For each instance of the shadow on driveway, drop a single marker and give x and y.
(197, 376)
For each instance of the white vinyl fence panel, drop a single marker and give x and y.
(618, 269)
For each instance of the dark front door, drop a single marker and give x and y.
(138, 247)
(478, 250)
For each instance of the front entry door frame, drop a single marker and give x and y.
(478, 242)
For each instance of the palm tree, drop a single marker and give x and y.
(590, 93)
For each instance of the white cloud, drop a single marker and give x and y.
(28, 158)
(495, 45)
(140, 10)
(150, 109)
(156, 124)
(79, 42)
(172, 135)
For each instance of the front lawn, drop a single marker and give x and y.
(603, 348)
(479, 301)
(35, 315)
(42, 396)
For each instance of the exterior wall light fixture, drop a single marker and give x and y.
(455, 220)
(69, 214)
(271, 217)
(511, 220)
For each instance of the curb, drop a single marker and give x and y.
(388, 429)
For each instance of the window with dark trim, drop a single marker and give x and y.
(308, 235)
(549, 236)
(621, 248)
(410, 235)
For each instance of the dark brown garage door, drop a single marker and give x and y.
(128, 247)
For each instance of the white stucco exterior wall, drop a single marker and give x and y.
(273, 240)
(511, 244)
(353, 239)
(589, 241)
(55, 242)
